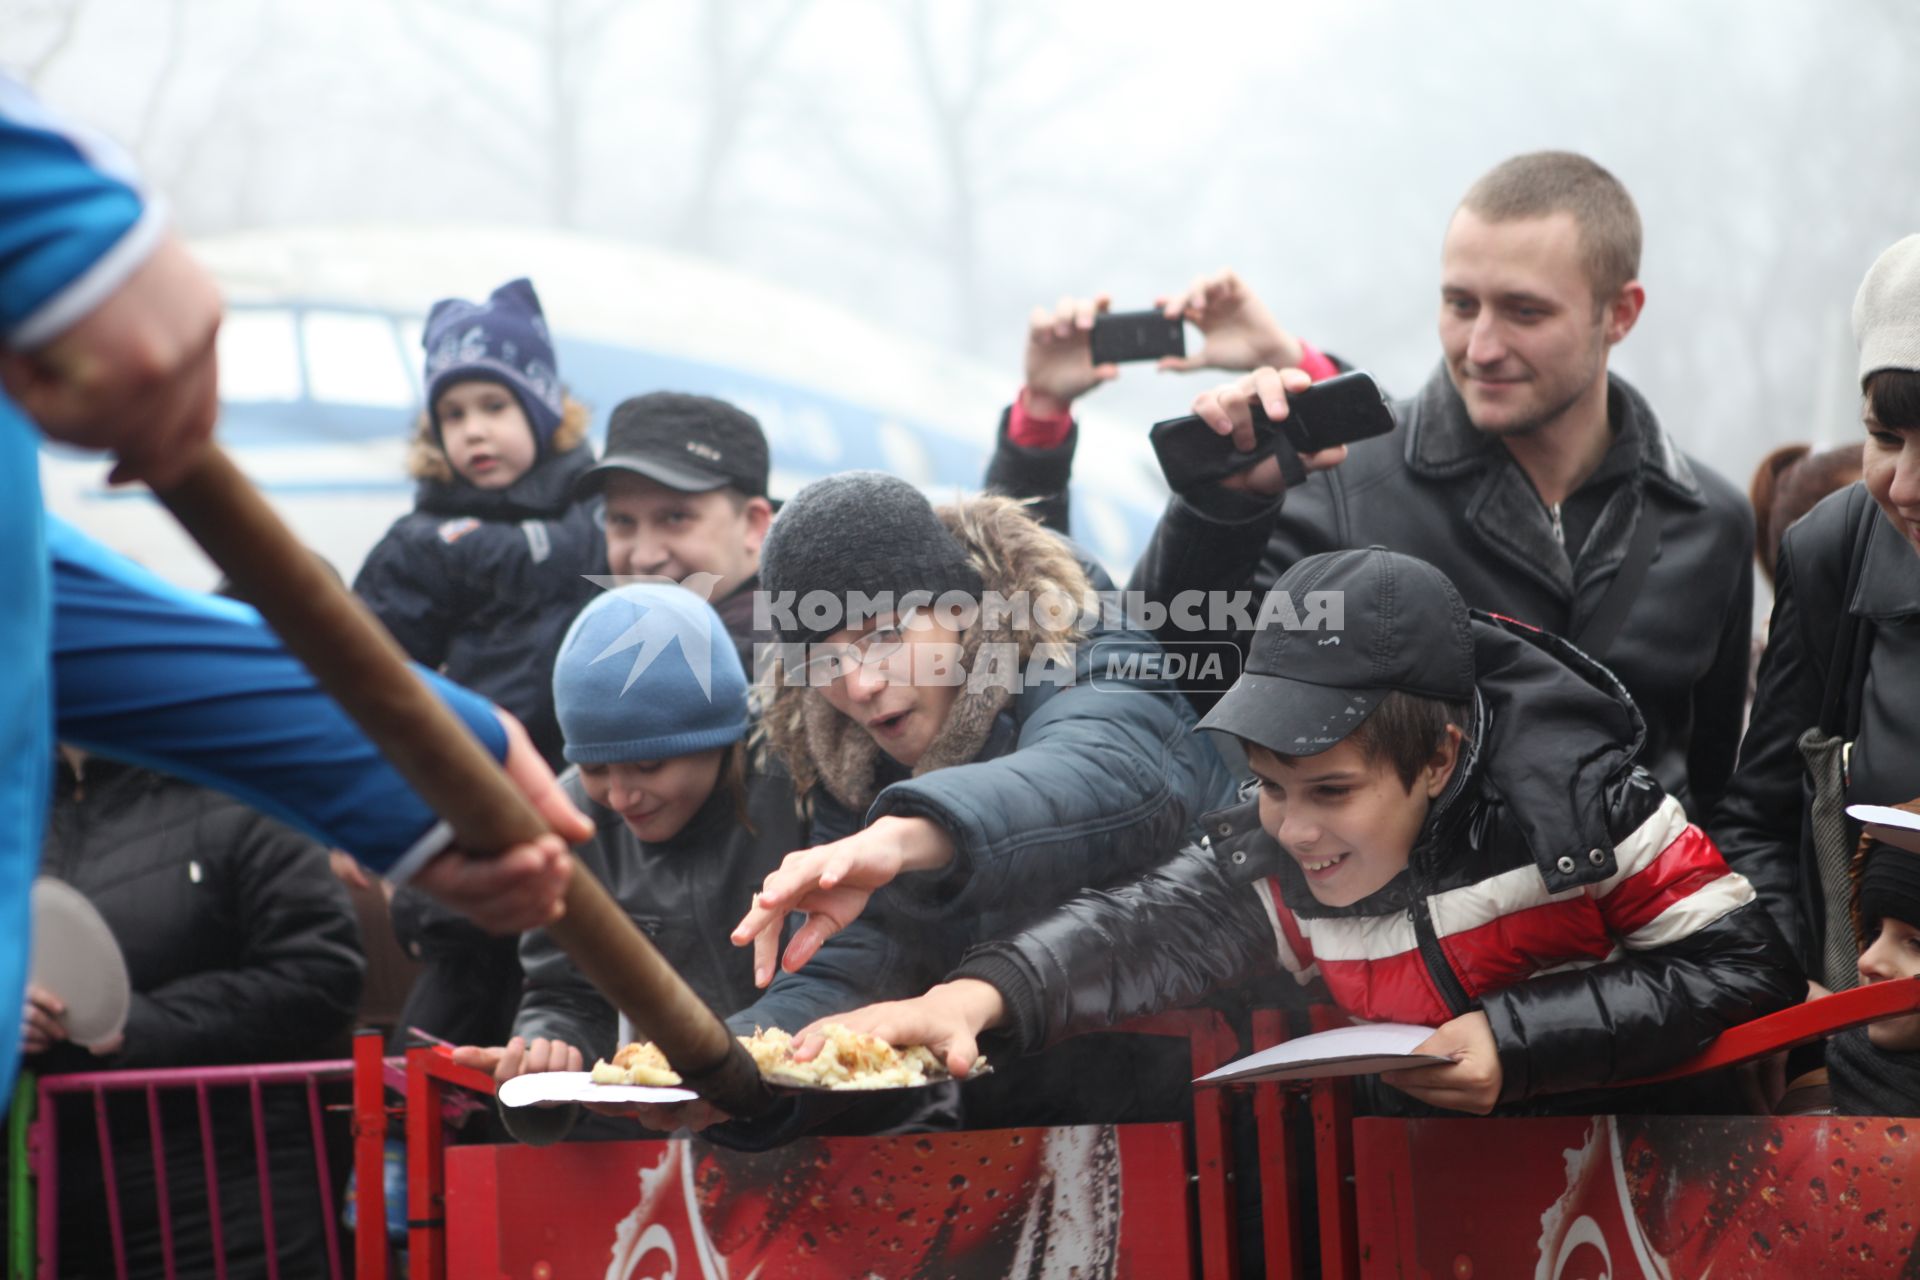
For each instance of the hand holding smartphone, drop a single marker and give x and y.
(1334, 412)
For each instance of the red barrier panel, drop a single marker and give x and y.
(518, 1211)
(1659, 1197)
(1110, 1200)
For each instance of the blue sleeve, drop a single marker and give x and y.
(201, 688)
(73, 224)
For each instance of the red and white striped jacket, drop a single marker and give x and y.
(1669, 883)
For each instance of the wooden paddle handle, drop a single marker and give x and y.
(357, 662)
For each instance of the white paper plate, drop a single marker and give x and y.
(578, 1086)
(1344, 1051)
(1898, 827)
(76, 958)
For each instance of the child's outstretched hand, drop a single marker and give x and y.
(948, 1020)
(519, 1058)
(831, 883)
(1471, 1082)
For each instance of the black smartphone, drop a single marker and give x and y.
(1339, 410)
(1121, 337)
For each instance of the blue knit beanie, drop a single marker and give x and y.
(503, 340)
(648, 672)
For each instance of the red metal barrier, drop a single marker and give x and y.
(429, 1073)
(1658, 1197)
(369, 1157)
(1274, 1113)
(43, 1153)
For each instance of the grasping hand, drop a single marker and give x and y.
(1471, 1082)
(1240, 332)
(831, 883)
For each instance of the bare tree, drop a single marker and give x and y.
(61, 18)
(172, 52)
(736, 64)
(562, 39)
(976, 141)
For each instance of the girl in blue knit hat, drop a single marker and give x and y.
(689, 820)
(480, 581)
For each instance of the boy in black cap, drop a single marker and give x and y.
(1449, 830)
(684, 490)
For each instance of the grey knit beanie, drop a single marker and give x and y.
(1886, 311)
(859, 531)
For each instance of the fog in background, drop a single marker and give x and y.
(940, 167)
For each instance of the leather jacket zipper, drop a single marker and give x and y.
(1458, 1002)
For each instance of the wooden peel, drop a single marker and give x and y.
(358, 663)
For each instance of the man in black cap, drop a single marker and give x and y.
(1449, 830)
(684, 480)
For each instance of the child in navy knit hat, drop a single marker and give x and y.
(653, 701)
(485, 574)
(480, 581)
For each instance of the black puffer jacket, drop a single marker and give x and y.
(1439, 489)
(242, 948)
(241, 944)
(1548, 785)
(1760, 826)
(483, 584)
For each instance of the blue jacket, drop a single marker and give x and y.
(71, 229)
(108, 655)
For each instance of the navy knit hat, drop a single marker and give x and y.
(503, 340)
(648, 672)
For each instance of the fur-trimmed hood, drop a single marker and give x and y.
(1015, 557)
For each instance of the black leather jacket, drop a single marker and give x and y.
(1439, 489)
(1553, 777)
(1760, 826)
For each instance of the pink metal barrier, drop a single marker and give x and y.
(199, 1083)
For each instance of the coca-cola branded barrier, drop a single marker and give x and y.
(1078, 1203)
(1099, 1203)
(1638, 1198)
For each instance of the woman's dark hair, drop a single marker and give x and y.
(1894, 395)
(733, 776)
(1787, 484)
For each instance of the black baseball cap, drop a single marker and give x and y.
(694, 444)
(1396, 623)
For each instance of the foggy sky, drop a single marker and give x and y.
(942, 167)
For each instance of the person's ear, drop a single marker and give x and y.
(1445, 759)
(758, 513)
(1623, 312)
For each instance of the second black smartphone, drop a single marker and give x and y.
(1120, 337)
(1337, 411)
